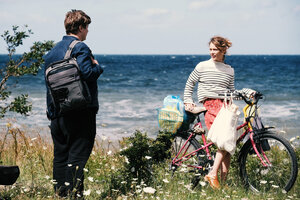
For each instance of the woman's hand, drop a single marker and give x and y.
(189, 106)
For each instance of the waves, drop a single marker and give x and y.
(133, 87)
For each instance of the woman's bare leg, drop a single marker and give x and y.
(225, 167)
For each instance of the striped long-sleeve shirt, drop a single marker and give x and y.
(213, 78)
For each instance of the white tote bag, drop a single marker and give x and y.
(223, 130)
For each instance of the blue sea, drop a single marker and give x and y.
(132, 87)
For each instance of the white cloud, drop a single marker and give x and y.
(197, 5)
(154, 12)
(297, 8)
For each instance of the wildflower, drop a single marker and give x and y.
(148, 157)
(263, 182)
(91, 179)
(298, 137)
(149, 190)
(109, 152)
(132, 169)
(123, 182)
(113, 168)
(103, 137)
(202, 183)
(85, 169)
(47, 177)
(31, 144)
(126, 160)
(275, 186)
(93, 153)
(87, 192)
(98, 192)
(69, 165)
(165, 180)
(292, 139)
(44, 148)
(67, 183)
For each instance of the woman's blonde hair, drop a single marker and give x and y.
(221, 43)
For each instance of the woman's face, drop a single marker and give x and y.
(215, 53)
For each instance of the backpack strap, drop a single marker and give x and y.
(71, 46)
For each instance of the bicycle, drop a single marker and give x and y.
(266, 160)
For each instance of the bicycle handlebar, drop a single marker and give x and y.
(254, 100)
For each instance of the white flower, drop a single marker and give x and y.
(87, 192)
(67, 183)
(148, 157)
(292, 139)
(165, 180)
(85, 169)
(109, 152)
(123, 182)
(103, 137)
(69, 165)
(45, 148)
(132, 169)
(113, 168)
(202, 183)
(98, 192)
(149, 190)
(263, 182)
(47, 177)
(275, 186)
(126, 160)
(91, 179)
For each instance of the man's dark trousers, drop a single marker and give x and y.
(73, 138)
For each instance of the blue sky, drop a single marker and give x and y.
(163, 26)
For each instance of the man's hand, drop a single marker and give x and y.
(95, 62)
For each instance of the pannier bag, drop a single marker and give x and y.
(172, 115)
(68, 91)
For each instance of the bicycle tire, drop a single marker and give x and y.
(199, 160)
(282, 173)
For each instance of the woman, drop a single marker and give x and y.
(214, 77)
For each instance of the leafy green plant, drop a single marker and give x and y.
(27, 64)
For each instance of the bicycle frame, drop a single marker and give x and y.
(248, 130)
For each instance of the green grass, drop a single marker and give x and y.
(109, 174)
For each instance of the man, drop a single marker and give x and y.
(74, 133)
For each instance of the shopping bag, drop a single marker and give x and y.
(223, 130)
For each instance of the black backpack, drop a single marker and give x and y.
(67, 89)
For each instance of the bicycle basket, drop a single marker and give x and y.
(169, 120)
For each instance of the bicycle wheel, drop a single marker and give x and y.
(188, 167)
(279, 175)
